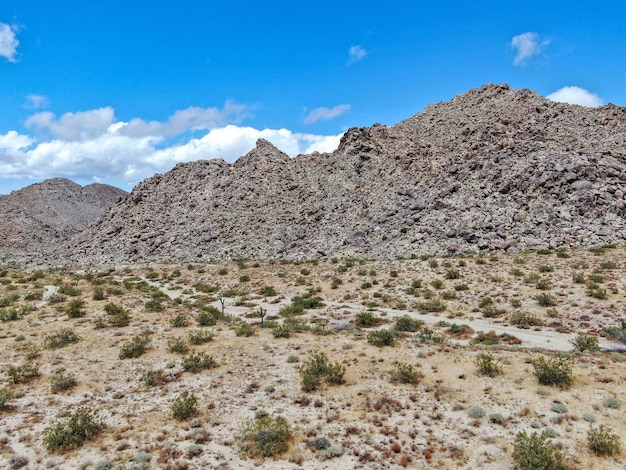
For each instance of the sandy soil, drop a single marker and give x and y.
(372, 422)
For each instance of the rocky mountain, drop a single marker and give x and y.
(37, 218)
(492, 169)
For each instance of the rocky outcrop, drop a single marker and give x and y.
(37, 218)
(492, 169)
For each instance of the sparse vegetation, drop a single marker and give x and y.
(382, 338)
(22, 374)
(586, 343)
(406, 323)
(265, 436)
(317, 368)
(555, 371)
(82, 425)
(61, 338)
(536, 452)
(405, 374)
(603, 441)
(200, 337)
(184, 406)
(60, 382)
(5, 396)
(198, 362)
(487, 365)
(134, 348)
(380, 418)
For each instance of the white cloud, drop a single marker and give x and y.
(83, 125)
(231, 142)
(8, 42)
(356, 53)
(182, 120)
(324, 114)
(91, 145)
(36, 102)
(526, 46)
(576, 95)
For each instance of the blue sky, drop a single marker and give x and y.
(116, 91)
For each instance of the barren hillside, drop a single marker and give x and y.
(492, 169)
(37, 218)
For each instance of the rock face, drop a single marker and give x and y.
(492, 169)
(37, 218)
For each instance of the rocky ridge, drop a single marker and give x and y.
(37, 218)
(492, 169)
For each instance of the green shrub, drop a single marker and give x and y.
(9, 314)
(281, 331)
(98, 294)
(365, 319)
(335, 283)
(434, 305)
(75, 308)
(35, 295)
(61, 382)
(244, 329)
(491, 311)
(300, 303)
(603, 441)
(22, 374)
(319, 367)
(556, 371)
(112, 308)
(268, 291)
(154, 305)
(406, 323)
(177, 345)
(296, 324)
(200, 337)
(265, 436)
(535, 452)
(135, 347)
(61, 338)
(116, 315)
(524, 319)
(558, 407)
(5, 396)
(67, 289)
(487, 365)
(453, 274)
(184, 406)
(545, 300)
(206, 318)
(82, 425)
(382, 338)
(180, 321)
(9, 300)
(597, 292)
(437, 284)
(405, 374)
(198, 362)
(586, 343)
(617, 333)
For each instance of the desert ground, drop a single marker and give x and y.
(119, 345)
